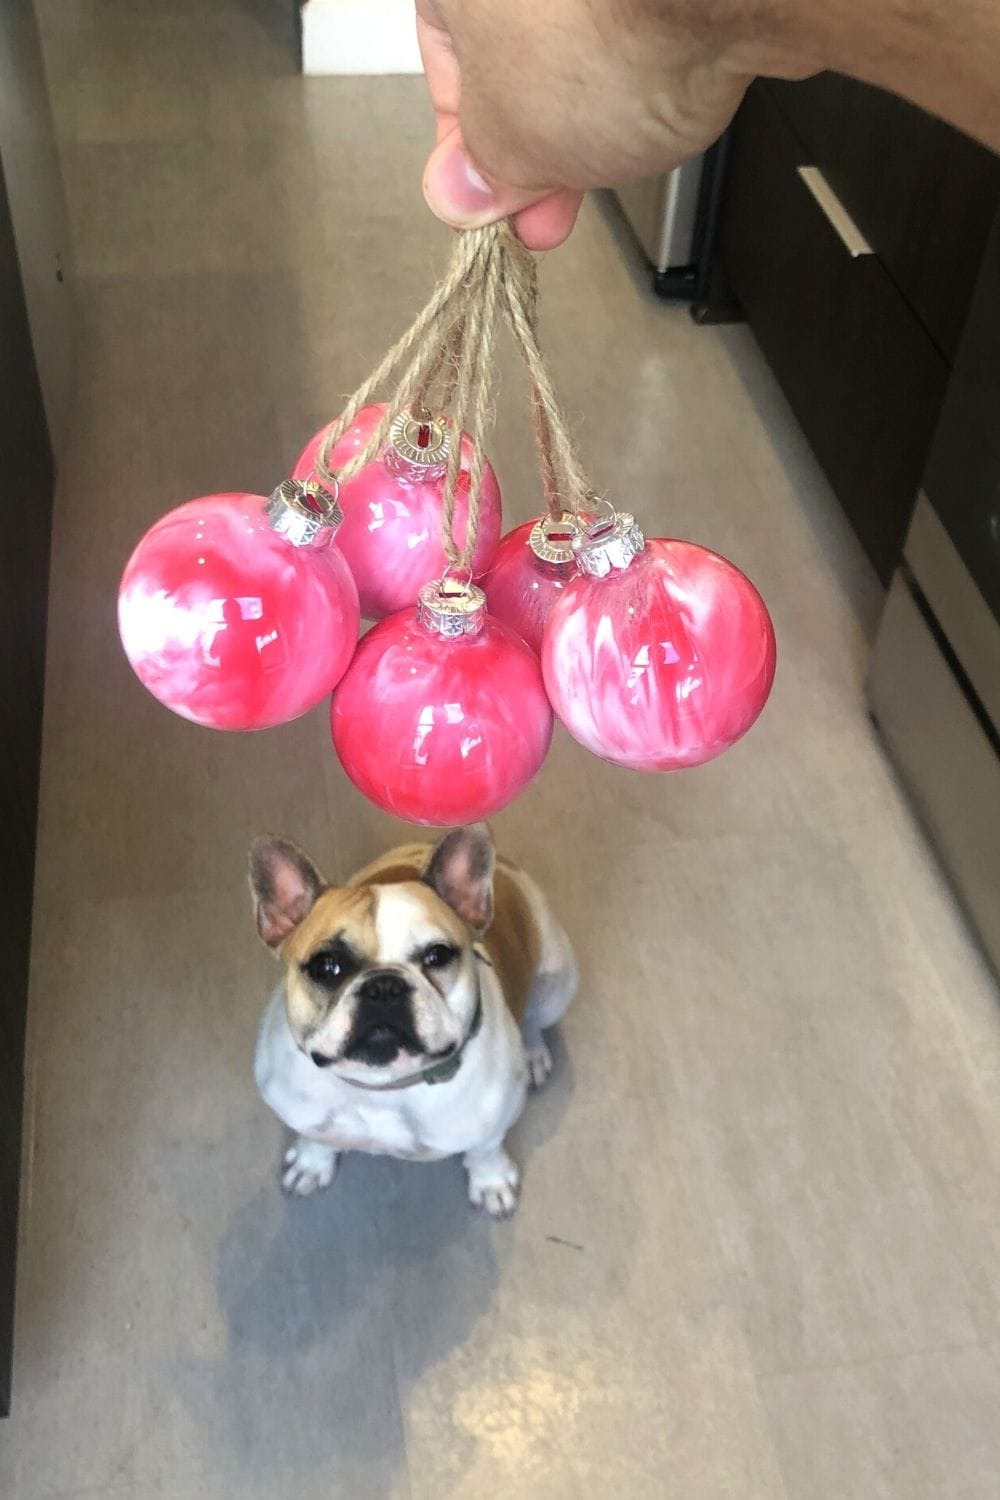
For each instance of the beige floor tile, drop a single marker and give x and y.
(141, 81)
(172, 405)
(669, 1409)
(170, 400)
(922, 1428)
(172, 73)
(851, 1157)
(897, 855)
(168, 208)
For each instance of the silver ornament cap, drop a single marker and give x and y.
(608, 544)
(418, 446)
(304, 512)
(451, 609)
(551, 539)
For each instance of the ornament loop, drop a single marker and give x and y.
(597, 508)
(456, 578)
(304, 512)
(451, 609)
(608, 544)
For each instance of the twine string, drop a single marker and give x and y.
(437, 390)
(543, 433)
(471, 407)
(448, 352)
(421, 333)
(557, 452)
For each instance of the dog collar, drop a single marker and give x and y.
(444, 1070)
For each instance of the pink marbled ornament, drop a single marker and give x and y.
(227, 623)
(521, 589)
(663, 664)
(391, 535)
(441, 731)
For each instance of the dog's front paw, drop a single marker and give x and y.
(539, 1060)
(309, 1166)
(493, 1182)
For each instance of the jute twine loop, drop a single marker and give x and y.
(447, 353)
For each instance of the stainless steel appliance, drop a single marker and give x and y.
(662, 211)
(934, 685)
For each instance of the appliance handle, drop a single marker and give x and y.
(836, 214)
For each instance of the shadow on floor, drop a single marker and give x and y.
(326, 1288)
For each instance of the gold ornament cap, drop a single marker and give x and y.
(418, 446)
(551, 540)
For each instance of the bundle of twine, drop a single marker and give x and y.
(446, 355)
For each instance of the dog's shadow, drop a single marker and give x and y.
(334, 1305)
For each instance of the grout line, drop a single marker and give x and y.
(825, 1368)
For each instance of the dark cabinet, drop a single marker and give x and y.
(26, 464)
(924, 194)
(35, 384)
(856, 276)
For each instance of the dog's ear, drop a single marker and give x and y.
(461, 870)
(284, 885)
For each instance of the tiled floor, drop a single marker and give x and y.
(757, 1255)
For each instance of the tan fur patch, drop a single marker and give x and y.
(346, 910)
(513, 941)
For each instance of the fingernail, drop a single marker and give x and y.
(456, 192)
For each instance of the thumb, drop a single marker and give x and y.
(457, 192)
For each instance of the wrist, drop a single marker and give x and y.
(778, 38)
(939, 57)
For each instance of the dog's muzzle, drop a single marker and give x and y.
(383, 1022)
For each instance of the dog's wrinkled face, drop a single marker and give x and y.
(379, 975)
(380, 979)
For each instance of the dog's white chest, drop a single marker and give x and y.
(350, 1126)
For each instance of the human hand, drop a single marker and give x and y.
(537, 102)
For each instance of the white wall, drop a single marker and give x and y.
(359, 36)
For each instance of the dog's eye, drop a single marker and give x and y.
(438, 954)
(325, 968)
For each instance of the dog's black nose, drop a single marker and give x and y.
(384, 988)
(320, 1060)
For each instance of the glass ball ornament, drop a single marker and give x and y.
(660, 654)
(442, 716)
(238, 611)
(531, 568)
(391, 534)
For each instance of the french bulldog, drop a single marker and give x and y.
(410, 1014)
